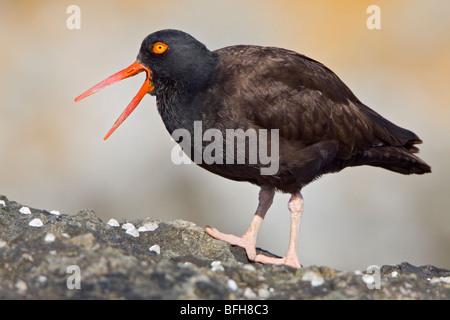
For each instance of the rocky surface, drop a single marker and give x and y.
(44, 255)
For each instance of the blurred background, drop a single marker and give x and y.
(53, 157)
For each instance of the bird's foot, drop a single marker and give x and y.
(248, 243)
(289, 260)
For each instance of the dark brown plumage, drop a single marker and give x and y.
(323, 127)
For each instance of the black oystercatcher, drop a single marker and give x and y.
(319, 125)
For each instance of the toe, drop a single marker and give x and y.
(229, 238)
(289, 261)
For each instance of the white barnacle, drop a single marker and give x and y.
(49, 237)
(113, 223)
(155, 248)
(149, 226)
(25, 210)
(36, 223)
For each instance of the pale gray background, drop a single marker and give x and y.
(52, 155)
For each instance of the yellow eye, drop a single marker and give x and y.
(159, 47)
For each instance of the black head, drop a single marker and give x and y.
(175, 62)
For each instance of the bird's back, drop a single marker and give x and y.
(322, 126)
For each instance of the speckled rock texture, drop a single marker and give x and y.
(44, 255)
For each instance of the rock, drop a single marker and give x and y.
(81, 251)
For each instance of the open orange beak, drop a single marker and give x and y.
(132, 70)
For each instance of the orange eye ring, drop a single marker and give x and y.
(160, 47)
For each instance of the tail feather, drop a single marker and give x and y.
(394, 147)
(397, 159)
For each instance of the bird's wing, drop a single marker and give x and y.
(306, 101)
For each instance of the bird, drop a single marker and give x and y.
(302, 110)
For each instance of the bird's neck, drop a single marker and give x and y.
(187, 81)
(175, 96)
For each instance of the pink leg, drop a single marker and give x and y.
(295, 206)
(248, 240)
